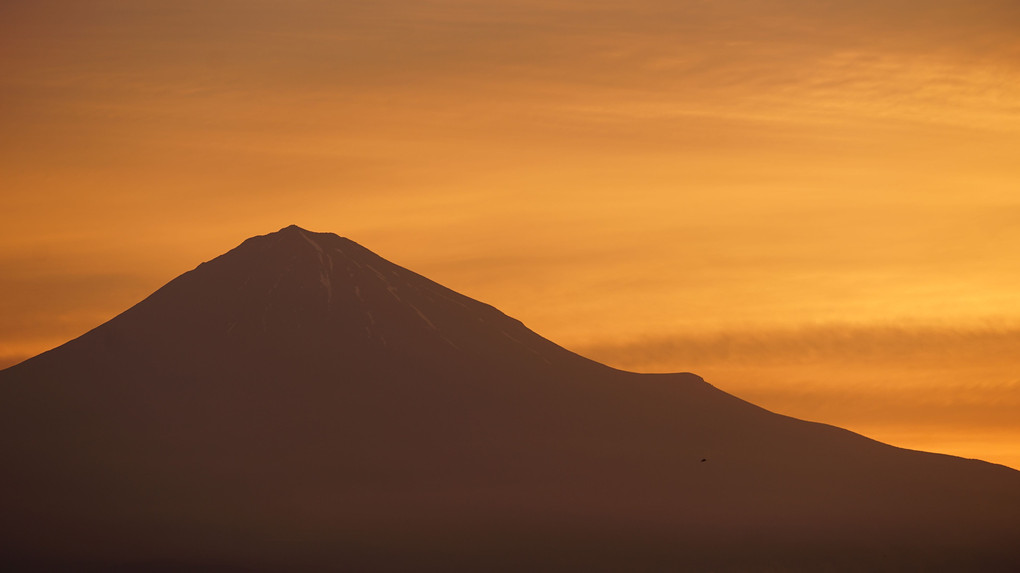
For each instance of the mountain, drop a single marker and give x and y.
(301, 404)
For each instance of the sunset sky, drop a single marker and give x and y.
(813, 204)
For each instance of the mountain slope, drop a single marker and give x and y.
(299, 403)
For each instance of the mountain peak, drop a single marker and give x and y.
(312, 238)
(294, 229)
(296, 289)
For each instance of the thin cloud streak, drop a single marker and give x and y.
(903, 384)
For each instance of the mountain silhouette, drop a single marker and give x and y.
(301, 404)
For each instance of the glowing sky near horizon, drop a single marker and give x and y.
(815, 205)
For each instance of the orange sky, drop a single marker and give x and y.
(815, 205)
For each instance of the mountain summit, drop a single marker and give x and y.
(317, 291)
(301, 404)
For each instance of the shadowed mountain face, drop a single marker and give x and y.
(300, 403)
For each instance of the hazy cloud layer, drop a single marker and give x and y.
(939, 388)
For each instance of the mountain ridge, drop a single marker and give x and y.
(300, 403)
